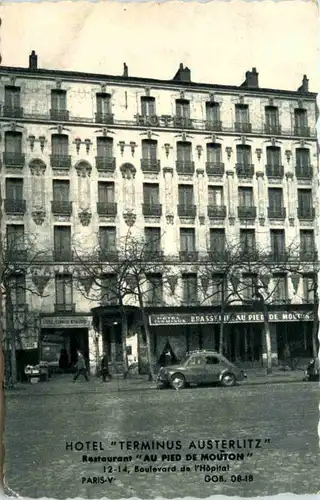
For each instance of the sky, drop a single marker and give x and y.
(219, 40)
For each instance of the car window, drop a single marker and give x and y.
(195, 361)
(212, 360)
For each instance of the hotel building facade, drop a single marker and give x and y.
(86, 157)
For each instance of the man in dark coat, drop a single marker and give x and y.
(81, 367)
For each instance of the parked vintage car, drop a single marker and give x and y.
(200, 367)
(312, 372)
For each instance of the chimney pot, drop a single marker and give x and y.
(33, 60)
(125, 70)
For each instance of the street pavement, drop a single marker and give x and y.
(281, 411)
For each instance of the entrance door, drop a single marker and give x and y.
(212, 369)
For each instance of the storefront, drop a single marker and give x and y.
(62, 336)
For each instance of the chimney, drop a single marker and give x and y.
(252, 80)
(33, 61)
(125, 70)
(304, 89)
(183, 74)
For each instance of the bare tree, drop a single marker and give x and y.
(126, 275)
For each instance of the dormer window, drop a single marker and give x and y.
(104, 108)
(59, 110)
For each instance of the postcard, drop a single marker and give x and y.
(159, 254)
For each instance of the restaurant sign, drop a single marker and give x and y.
(212, 318)
(66, 321)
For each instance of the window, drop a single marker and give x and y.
(217, 241)
(245, 197)
(273, 156)
(64, 292)
(248, 286)
(15, 239)
(242, 123)
(60, 145)
(104, 147)
(13, 142)
(149, 150)
(308, 287)
(305, 203)
(152, 238)
(184, 152)
(248, 240)
(275, 202)
(107, 239)
(213, 113)
(58, 100)
(307, 246)
(189, 288)
(218, 288)
(185, 195)
(103, 102)
(215, 196)
(106, 192)
(12, 97)
(214, 153)
(244, 154)
(17, 288)
(302, 157)
(182, 108)
(272, 119)
(154, 289)
(109, 289)
(280, 288)
(61, 190)
(300, 121)
(148, 106)
(277, 237)
(212, 360)
(62, 243)
(187, 240)
(151, 194)
(14, 189)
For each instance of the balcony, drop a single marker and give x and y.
(188, 256)
(154, 209)
(105, 118)
(306, 213)
(213, 125)
(13, 159)
(106, 255)
(247, 213)
(153, 255)
(272, 129)
(64, 308)
(304, 172)
(302, 131)
(61, 207)
(17, 255)
(62, 162)
(148, 120)
(308, 256)
(278, 256)
(12, 111)
(217, 211)
(275, 171)
(185, 167)
(216, 255)
(277, 213)
(154, 302)
(106, 208)
(182, 122)
(59, 115)
(243, 127)
(105, 163)
(15, 206)
(62, 256)
(187, 210)
(244, 170)
(214, 168)
(190, 301)
(150, 165)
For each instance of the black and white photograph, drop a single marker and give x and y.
(159, 249)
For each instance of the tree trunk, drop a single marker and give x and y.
(221, 330)
(124, 334)
(12, 336)
(147, 332)
(315, 324)
(268, 338)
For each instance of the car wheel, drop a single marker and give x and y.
(178, 381)
(228, 380)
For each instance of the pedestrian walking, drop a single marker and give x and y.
(105, 367)
(81, 367)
